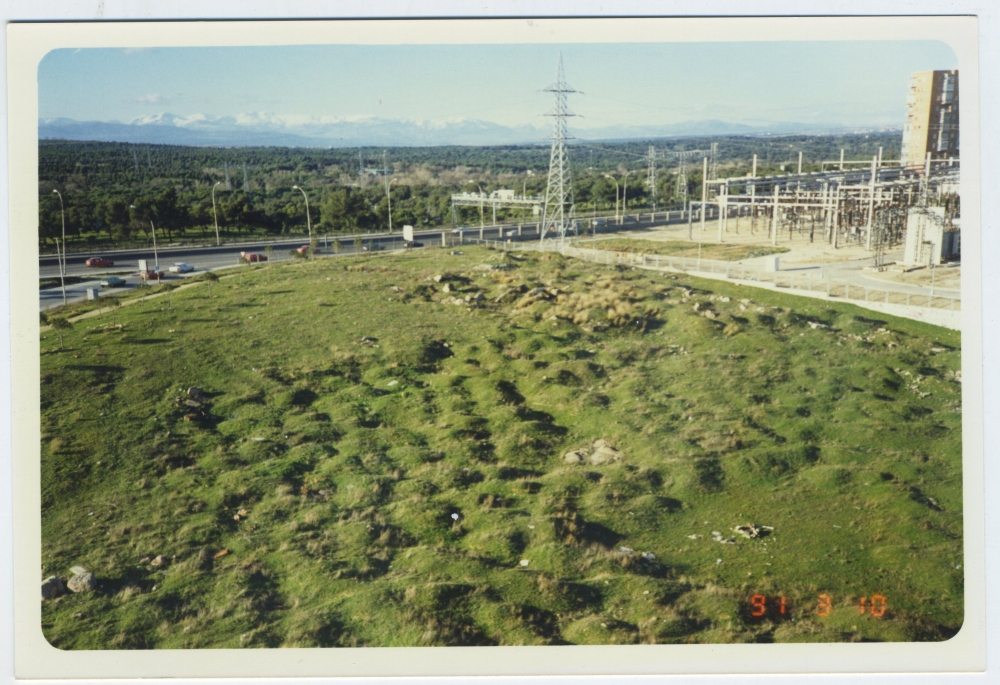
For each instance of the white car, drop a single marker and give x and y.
(181, 268)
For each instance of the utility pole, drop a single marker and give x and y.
(704, 189)
(841, 159)
(800, 162)
(723, 208)
(774, 218)
(651, 175)
(871, 206)
(246, 179)
(135, 158)
(229, 185)
(558, 208)
(216, 214)
(62, 261)
(62, 278)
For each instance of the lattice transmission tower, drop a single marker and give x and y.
(681, 190)
(713, 161)
(557, 215)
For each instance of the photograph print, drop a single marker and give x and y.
(512, 344)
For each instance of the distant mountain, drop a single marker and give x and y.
(261, 129)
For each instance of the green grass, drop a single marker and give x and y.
(350, 458)
(683, 248)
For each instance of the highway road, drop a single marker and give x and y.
(126, 262)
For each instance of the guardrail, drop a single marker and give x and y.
(832, 288)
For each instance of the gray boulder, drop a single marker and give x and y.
(82, 582)
(604, 453)
(52, 587)
(575, 457)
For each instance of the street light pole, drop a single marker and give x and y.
(62, 260)
(216, 214)
(388, 197)
(612, 178)
(156, 259)
(308, 220)
(625, 193)
(62, 279)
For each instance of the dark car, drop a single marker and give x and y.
(253, 257)
(100, 261)
(373, 247)
(113, 282)
(412, 243)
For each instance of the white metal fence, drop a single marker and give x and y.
(803, 281)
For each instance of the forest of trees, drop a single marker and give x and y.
(114, 193)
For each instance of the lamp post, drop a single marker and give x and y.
(625, 192)
(156, 258)
(612, 178)
(482, 221)
(308, 220)
(388, 197)
(216, 214)
(62, 260)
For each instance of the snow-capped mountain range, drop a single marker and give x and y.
(264, 129)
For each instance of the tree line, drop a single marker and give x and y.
(116, 193)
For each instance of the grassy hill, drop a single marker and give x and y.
(378, 459)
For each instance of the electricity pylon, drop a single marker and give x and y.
(557, 215)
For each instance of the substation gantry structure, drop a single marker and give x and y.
(682, 157)
(853, 203)
(498, 199)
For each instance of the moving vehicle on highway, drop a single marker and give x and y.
(373, 247)
(412, 243)
(99, 261)
(251, 257)
(181, 268)
(304, 249)
(153, 274)
(113, 282)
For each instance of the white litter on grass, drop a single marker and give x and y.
(693, 537)
(454, 516)
(530, 526)
(718, 561)
(257, 439)
(392, 383)
(525, 562)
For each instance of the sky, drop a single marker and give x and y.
(837, 83)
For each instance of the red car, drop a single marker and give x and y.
(253, 257)
(151, 275)
(100, 261)
(302, 250)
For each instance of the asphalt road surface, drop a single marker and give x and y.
(126, 262)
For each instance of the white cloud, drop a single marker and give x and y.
(152, 99)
